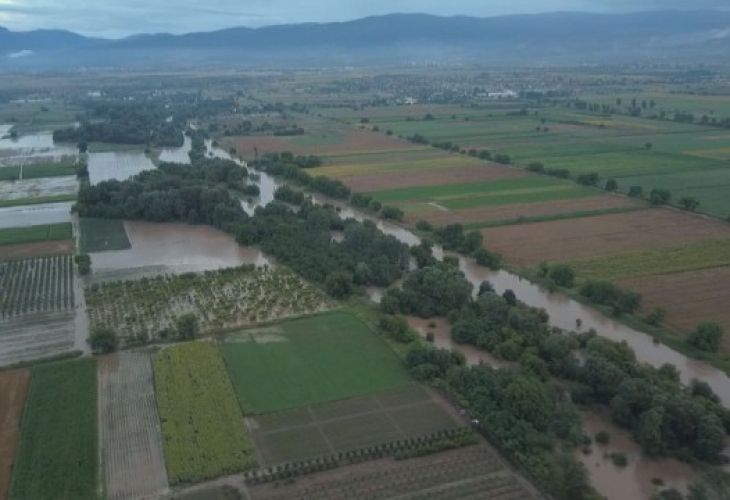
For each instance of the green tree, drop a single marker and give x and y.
(689, 203)
(636, 192)
(562, 275)
(706, 337)
(103, 340)
(611, 185)
(338, 284)
(660, 197)
(187, 326)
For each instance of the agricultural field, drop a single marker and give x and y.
(130, 433)
(292, 363)
(566, 240)
(28, 191)
(35, 215)
(36, 286)
(652, 261)
(58, 455)
(36, 234)
(633, 150)
(690, 298)
(471, 195)
(528, 212)
(350, 424)
(113, 165)
(474, 473)
(36, 171)
(13, 390)
(99, 235)
(202, 427)
(33, 336)
(220, 299)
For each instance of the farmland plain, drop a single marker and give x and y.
(13, 391)
(292, 363)
(58, 456)
(202, 427)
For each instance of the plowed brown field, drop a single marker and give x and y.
(43, 249)
(689, 298)
(562, 240)
(13, 389)
(454, 175)
(511, 212)
(352, 140)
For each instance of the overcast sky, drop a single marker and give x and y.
(116, 18)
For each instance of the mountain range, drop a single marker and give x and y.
(554, 38)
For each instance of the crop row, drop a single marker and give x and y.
(58, 456)
(36, 285)
(202, 427)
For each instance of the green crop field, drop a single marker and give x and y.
(350, 424)
(707, 254)
(203, 431)
(322, 358)
(40, 200)
(686, 158)
(35, 234)
(38, 171)
(58, 456)
(99, 235)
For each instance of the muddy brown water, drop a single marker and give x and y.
(177, 247)
(635, 480)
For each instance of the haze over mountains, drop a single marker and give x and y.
(395, 39)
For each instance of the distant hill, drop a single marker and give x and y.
(560, 37)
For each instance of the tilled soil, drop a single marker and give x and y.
(13, 390)
(436, 177)
(569, 239)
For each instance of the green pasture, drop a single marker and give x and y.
(36, 234)
(322, 358)
(37, 171)
(99, 235)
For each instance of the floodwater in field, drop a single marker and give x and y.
(563, 311)
(28, 148)
(441, 331)
(34, 188)
(174, 248)
(178, 155)
(634, 480)
(117, 165)
(35, 215)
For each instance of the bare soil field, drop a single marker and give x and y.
(689, 298)
(130, 436)
(352, 140)
(42, 249)
(13, 389)
(36, 336)
(475, 473)
(454, 175)
(510, 212)
(563, 240)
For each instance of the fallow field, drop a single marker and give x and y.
(13, 390)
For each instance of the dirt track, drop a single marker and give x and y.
(569, 239)
(512, 212)
(436, 177)
(13, 390)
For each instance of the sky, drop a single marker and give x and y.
(118, 18)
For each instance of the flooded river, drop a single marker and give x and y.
(178, 155)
